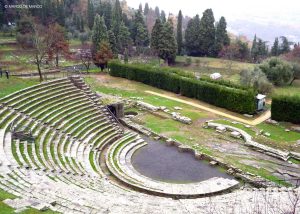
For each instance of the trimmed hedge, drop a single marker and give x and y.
(222, 95)
(286, 108)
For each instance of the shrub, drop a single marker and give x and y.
(256, 79)
(218, 93)
(286, 108)
(278, 71)
(188, 61)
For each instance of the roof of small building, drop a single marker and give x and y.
(260, 96)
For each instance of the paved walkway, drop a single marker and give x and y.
(242, 119)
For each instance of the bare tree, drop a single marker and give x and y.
(85, 56)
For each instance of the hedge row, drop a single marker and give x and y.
(234, 99)
(286, 108)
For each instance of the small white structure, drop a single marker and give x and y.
(261, 102)
(215, 76)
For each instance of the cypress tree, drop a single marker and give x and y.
(99, 33)
(106, 11)
(192, 36)
(275, 48)
(285, 46)
(112, 41)
(157, 12)
(254, 50)
(167, 47)
(91, 14)
(163, 16)
(222, 38)
(146, 9)
(141, 7)
(117, 19)
(207, 33)
(140, 32)
(124, 38)
(155, 34)
(179, 34)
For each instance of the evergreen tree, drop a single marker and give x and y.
(112, 41)
(155, 34)
(124, 38)
(91, 14)
(207, 33)
(254, 50)
(285, 46)
(139, 31)
(192, 35)
(163, 16)
(146, 9)
(105, 10)
(117, 20)
(141, 7)
(179, 34)
(275, 48)
(262, 50)
(99, 33)
(222, 38)
(167, 47)
(157, 12)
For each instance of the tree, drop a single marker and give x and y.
(117, 19)
(106, 11)
(99, 33)
(155, 35)
(207, 33)
(146, 9)
(237, 50)
(275, 48)
(278, 71)
(157, 12)
(192, 34)
(38, 40)
(91, 14)
(140, 32)
(85, 56)
(61, 45)
(179, 34)
(167, 45)
(124, 38)
(262, 50)
(254, 51)
(103, 55)
(163, 16)
(221, 38)
(285, 46)
(112, 41)
(141, 7)
(255, 78)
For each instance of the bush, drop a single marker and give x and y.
(256, 79)
(188, 61)
(177, 81)
(278, 71)
(286, 108)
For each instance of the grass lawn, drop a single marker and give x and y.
(13, 84)
(278, 133)
(289, 90)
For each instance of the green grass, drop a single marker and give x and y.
(161, 125)
(278, 133)
(239, 126)
(13, 84)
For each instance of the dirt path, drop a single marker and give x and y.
(241, 119)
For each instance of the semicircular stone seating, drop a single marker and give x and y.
(118, 160)
(61, 168)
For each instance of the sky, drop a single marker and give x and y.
(263, 15)
(285, 10)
